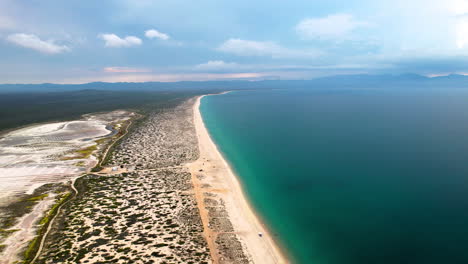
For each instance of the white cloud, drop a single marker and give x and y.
(113, 40)
(32, 41)
(457, 7)
(461, 31)
(332, 27)
(249, 47)
(242, 47)
(153, 33)
(216, 65)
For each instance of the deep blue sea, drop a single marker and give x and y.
(352, 176)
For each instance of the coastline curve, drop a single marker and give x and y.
(218, 174)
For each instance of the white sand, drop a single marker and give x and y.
(224, 183)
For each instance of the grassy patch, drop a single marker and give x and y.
(82, 153)
(38, 198)
(53, 210)
(86, 152)
(100, 141)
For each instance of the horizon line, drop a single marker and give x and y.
(429, 76)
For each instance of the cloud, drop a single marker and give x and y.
(32, 41)
(216, 66)
(125, 70)
(332, 27)
(242, 47)
(153, 33)
(461, 31)
(457, 7)
(113, 40)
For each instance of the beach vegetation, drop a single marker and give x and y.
(101, 141)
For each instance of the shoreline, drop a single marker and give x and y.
(225, 183)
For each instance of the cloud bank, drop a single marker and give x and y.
(32, 41)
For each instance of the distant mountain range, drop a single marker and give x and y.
(338, 81)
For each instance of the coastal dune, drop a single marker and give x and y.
(216, 184)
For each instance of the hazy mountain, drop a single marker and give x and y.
(339, 81)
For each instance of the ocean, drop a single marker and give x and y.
(352, 176)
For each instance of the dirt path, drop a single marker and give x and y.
(209, 234)
(41, 245)
(110, 146)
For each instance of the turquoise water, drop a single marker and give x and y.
(352, 177)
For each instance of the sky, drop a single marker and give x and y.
(80, 41)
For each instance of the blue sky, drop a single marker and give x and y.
(157, 40)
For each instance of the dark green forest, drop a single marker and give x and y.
(20, 109)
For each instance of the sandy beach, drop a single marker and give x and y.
(223, 183)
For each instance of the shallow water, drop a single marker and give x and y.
(352, 177)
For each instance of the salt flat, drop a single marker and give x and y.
(47, 153)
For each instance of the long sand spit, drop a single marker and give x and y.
(222, 181)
